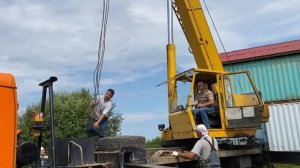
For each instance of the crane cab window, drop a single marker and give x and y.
(183, 90)
(239, 91)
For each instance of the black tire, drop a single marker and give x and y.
(116, 143)
(27, 153)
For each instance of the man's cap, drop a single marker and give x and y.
(201, 128)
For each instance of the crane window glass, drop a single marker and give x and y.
(239, 91)
(183, 90)
(183, 87)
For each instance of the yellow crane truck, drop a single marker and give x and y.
(239, 106)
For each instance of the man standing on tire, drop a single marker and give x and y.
(102, 108)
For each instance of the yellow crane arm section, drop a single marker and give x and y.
(194, 25)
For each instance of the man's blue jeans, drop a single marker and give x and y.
(100, 131)
(203, 111)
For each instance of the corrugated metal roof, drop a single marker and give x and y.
(283, 127)
(260, 52)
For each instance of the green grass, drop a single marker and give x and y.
(278, 165)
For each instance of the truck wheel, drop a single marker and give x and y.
(27, 153)
(116, 143)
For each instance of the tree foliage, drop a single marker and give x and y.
(71, 114)
(154, 143)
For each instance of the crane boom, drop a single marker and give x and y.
(194, 25)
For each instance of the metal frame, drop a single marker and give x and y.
(49, 84)
(80, 148)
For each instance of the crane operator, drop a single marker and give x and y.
(203, 103)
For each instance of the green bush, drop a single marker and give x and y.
(71, 114)
(154, 143)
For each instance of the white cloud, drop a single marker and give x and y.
(143, 12)
(281, 6)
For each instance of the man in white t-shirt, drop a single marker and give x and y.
(102, 108)
(202, 148)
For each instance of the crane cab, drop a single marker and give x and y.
(238, 108)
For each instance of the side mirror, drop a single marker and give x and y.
(161, 127)
(180, 108)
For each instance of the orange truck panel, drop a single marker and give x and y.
(8, 120)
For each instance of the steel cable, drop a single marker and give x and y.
(101, 49)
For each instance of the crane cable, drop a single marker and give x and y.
(219, 37)
(101, 49)
(226, 54)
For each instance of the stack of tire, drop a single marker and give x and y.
(117, 142)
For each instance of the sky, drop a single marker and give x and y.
(40, 39)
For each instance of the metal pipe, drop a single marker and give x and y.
(171, 66)
(49, 84)
(51, 100)
(171, 61)
(43, 100)
(170, 23)
(43, 103)
(80, 148)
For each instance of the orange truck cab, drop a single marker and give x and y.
(8, 120)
